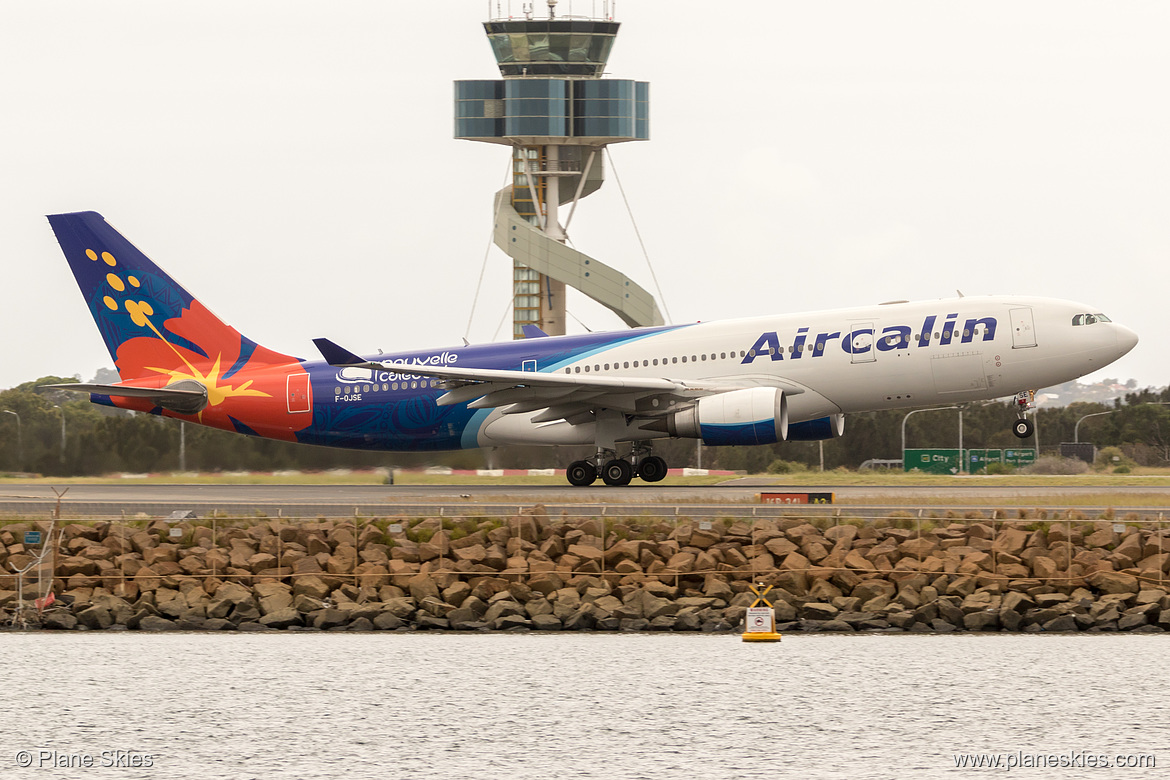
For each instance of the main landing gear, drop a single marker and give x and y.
(615, 471)
(1025, 402)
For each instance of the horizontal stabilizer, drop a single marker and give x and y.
(337, 356)
(186, 397)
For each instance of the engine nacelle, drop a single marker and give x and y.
(815, 430)
(757, 415)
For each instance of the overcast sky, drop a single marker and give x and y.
(292, 163)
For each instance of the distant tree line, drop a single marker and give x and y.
(101, 440)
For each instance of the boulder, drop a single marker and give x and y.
(311, 586)
(325, 619)
(1113, 582)
(282, 618)
(835, 625)
(546, 622)
(984, 620)
(1010, 619)
(717, 588)
(1061, 623)
(586, 553)
(387, 621)
(819, 611)
(422, 586)
(1044, 568)
(1019, 602)
(218, 624)
(156, 623)
(277, 602)
(1130, 621)
(147, 578)
(961, 586)
(583, 619)
(1011, 541)
(634, 624)
(507, 622)
(1047, 600)
(95, 617)
(403, 608)
(457, 593)
(434, 606)
(59, 620)
(244, 612)
(304, 603)
(504, 608)
(869, 589)
(120, 610)
(820, 590)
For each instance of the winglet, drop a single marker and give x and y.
(338, 356)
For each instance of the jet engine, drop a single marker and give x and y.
(814, 430)
(757, 415)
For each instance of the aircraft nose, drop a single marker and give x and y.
(1126, 339)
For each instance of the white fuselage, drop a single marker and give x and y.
(853, 360)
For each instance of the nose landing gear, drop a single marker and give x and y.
(1023, 428)
(1025, 402)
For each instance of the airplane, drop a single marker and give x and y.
(750, 381)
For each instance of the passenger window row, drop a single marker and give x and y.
(655, 361)
(386, 387)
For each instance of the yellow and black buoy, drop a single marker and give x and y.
(760, 622)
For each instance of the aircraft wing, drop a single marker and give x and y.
(571, 397)
(187, 396)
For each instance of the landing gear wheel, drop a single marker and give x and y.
(1023, 428)
(617, 473)
(581, 473)
(652, 469)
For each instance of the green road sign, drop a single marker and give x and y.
(977, 460)
(1019, 457)
(933, 461)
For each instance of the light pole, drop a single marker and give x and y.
(1077, 427)
(62, 411)
(19, 440)
(933, 409)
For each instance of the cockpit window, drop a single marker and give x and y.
(1089, 319)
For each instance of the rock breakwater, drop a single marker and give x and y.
(536, 572)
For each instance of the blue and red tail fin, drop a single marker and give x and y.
(153, 328)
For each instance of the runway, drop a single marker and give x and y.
(737, 498)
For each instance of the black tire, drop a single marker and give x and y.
(1023, 428)
(652, 469)
(581, 473)
(617, 473)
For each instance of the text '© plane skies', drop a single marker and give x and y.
(746, 381)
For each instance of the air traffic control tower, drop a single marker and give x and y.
(557, 113)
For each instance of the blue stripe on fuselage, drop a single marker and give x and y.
(407, 418)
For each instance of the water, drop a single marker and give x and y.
(520, 706)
